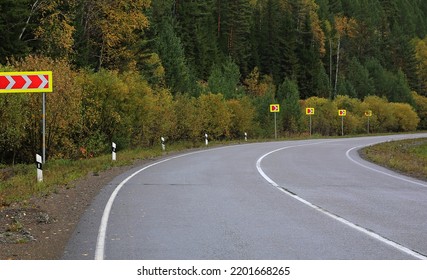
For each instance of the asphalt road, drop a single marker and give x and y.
(313, 199)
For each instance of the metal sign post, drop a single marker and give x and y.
(342, 113)
(38, 81)
(275, 108)
(369, 115)
(309, 112)
(44, 127)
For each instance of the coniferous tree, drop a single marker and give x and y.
(15, 29)
(197, 30)
(288, 96)
(358, 76)
(171, 52)
(235, 32)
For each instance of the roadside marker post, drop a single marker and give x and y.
(206, 139)
(275, 108)
(113, 151)
(246, 137)
(342, 113)
(368, 114)
(39, 165)
(35, 81)
(162, 139)
(309, 112)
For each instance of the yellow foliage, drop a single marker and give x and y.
(421, 55)
(63, 105)
(405, 116)
(215, 115)
(257, 86)
(346, 26)
(242, 116)
(55, 30)
(421, 109)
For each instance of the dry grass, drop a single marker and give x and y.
(18, 183)
(407, 156)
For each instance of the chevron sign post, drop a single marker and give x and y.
(37, 81)
(14, 82)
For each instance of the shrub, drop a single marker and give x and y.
(215, 116)
(405, 116)
(242, 117)
(421, 109)
(325, 120)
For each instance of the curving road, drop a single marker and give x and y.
(312, 199)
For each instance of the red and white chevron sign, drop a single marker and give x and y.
(40, 81)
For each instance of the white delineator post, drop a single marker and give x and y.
(246, 137)
(206, 139)
(39, 164)
(113, 149)
(163, 143)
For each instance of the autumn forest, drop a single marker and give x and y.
(132, 71)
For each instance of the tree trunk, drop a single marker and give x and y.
(338, 61)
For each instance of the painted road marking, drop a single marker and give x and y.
(329, 214)
(382, 172)
(102, 231)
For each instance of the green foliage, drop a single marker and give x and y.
(288, 95)
(359, 78)
(13, 17)
(224, 79)
(171, 52)
(135, 71)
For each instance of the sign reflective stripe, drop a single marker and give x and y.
(26, 82)
(11, 82)
(309, 111)
(275, 108)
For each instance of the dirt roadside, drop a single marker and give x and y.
(40, 228)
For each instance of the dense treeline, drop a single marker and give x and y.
(132, 71)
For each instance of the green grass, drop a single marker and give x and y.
(19, 183)
(407, 156)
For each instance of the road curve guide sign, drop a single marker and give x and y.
(15, 82)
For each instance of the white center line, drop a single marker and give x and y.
(329, 214)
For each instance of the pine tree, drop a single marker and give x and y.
(235, 30)
(171, 52)
(358, 76)
(15, 29)
(224, 79)
(197, 30)
(269, 41)
(288, 96)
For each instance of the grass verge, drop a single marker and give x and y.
(18, 183)
(408, 156)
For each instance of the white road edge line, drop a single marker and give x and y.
(379, 171)
(329, 214)
(102, 231)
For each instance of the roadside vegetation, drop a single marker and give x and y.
(408, 156)
(131, 72)
(18, 183)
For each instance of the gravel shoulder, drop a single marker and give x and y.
(40, 228)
